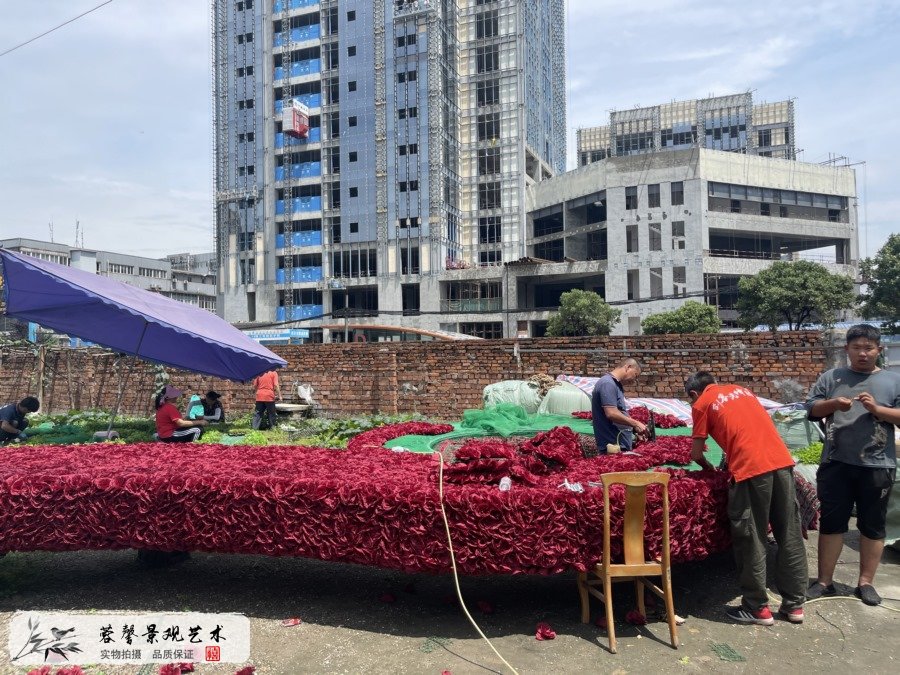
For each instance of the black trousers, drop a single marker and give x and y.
(267, 407)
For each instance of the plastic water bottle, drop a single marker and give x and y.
(505, 484)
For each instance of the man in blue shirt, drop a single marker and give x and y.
(12, 419)
(612, 425)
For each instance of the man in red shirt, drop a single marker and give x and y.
(267, 389)
(762, 492)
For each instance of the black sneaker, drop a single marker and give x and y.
(868, 595)
(817, 590)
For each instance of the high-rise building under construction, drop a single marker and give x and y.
(365, 147)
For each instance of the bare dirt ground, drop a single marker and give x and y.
(347, 628)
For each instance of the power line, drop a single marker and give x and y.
(64, 23)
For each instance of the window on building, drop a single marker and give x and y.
(411, 76)
(677, 193)
(409, 260)
(489, 195)
(678, 235)
(354, 228)
(336, 231)
(413, 111)
(488, 126)
(631, 239)
(764, 138)
(550, 250)
(351, 15)
(486, 24)
(735, 205)
(656, 236)
(413, 185)
(634, 284)
(679, 281)
(764, 209)
(489, 330)
(354, 192)
(486, 258)
(487, 92)
(401, 41)
(631, 198)
(653, 196)
(402, 186)
(410, 40)
(488, 161)
(401, 77)
(351, 85)
(351, 50)
(413, 149)
(489, 231)
(352, 156)
(834, 216)
(487, 58)
(656, 282)
(351, 121)
(783, 211)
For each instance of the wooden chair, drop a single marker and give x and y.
(636, 567)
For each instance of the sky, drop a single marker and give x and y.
(108, 122)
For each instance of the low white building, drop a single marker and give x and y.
(648, 231)
(184, 277)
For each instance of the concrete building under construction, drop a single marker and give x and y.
(365, 148)
(731, 123)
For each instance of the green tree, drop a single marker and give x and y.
(882, 277)
(691, 317)
(794, 293)
(582, 313)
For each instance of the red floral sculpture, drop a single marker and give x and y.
(365, 505)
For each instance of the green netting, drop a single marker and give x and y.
(534, 424)
(503, 419)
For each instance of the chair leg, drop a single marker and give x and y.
(670, 606)
(608, 602)
(639, 594)
(585, 597)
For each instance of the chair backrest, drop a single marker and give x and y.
(635, 483)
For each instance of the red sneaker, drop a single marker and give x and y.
(792, 615)
(761, 617)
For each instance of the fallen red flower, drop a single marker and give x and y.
(246, 670)
(635, 618)
(544, 632)
(600, 622)
(43, 670)
(70, 670)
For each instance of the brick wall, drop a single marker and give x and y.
(439, 379)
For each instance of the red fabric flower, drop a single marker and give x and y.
(365, 505)
(544, 632)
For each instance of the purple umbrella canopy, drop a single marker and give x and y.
(130, 320)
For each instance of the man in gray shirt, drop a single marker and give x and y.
(860, 406)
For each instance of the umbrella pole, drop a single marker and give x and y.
(124, 379)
